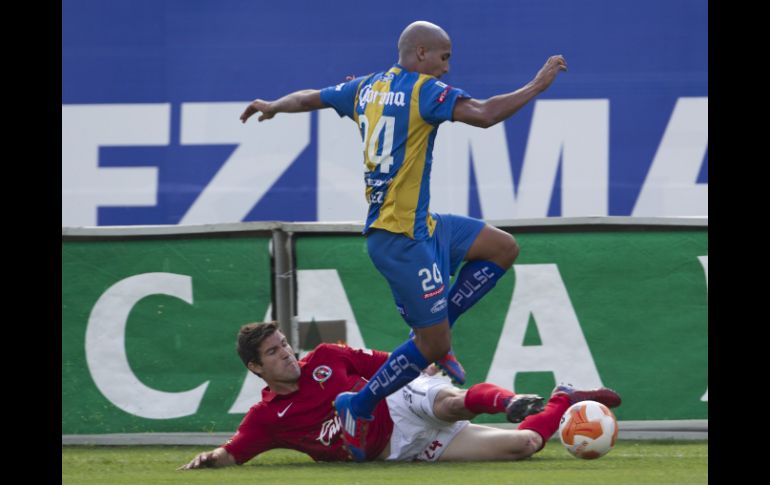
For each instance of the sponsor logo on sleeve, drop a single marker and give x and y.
(443, 95)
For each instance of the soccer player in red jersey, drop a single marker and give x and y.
(426, 421)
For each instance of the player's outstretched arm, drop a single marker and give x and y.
(485, 113)
(210, 459)
(306, 100)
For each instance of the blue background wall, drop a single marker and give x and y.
(641, 56)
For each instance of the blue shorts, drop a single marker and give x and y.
(418, 271)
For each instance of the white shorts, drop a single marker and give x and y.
(417, 433)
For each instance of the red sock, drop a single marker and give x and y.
(486, 398)
(546, 423)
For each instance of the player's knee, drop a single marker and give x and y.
(449, 404)
(514, 250)
(532, 445)
(508, 250)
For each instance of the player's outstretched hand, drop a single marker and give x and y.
(203, 460)
(548, 72)
(258, 105)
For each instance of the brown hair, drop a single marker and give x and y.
(250, 337)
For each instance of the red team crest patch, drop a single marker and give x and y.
(322, 373)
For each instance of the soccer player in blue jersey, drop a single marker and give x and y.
(398, 113)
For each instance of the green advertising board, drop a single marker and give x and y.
(148, 331)
(149, 325)
(628, 310)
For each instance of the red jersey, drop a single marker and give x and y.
(304, 420)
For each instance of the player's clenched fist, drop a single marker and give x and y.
(548, 72)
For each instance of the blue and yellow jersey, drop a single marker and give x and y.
(398, 113)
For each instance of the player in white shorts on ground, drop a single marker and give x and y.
(426, 420)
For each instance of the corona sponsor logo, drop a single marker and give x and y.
(368, 95)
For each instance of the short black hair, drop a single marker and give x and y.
(250, 337)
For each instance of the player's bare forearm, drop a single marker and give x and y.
(488, 112)
(299, 101)
(485, 113)
(306, 100)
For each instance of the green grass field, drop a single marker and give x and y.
(631, 462)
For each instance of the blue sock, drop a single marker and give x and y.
(475, 280)
(403, 365)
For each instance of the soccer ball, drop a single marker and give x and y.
(588, 430)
